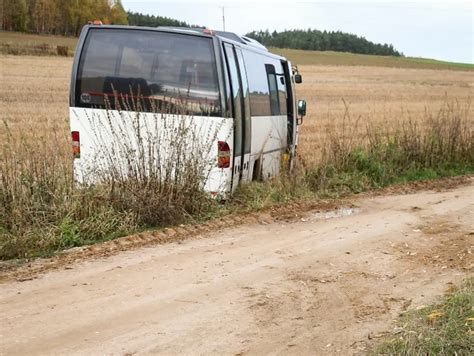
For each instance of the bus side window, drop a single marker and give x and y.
(273, 86)
(282, 94)
(258, 83)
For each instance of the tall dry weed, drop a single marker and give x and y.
(150, 172)
(440, 143)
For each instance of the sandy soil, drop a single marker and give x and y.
(324, 283)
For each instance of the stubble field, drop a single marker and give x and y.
(34, 97)
(43, 212)
(351, 141)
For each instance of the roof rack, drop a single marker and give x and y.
(254, 43)
(183, 29)
(229, 35)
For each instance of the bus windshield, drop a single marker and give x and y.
(139, 70)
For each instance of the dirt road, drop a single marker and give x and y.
(323, 284)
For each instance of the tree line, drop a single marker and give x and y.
(138, 19)
(59, 17)
(66, 17)
(323, 41)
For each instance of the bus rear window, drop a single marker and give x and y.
(148, 71)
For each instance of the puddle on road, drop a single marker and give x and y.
(339, 213)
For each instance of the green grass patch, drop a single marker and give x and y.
(42, 211)
(24, 43)
(302, 57)
(384, 165)
(29, 39)
(444, 328)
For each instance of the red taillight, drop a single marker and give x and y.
(76, 144)
(223, 154)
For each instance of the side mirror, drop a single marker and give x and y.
(298, 79)
(301, 111)
(301, 107)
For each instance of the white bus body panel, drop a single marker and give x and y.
(269, 141)
(105, 132)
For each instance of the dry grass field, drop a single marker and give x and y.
(29, 39)
(424, 105)
(34, 93)
(377, 96)
(34, 96)
(42, 211)
(351, 59)
(27, 43)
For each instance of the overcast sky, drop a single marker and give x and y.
(420, 28)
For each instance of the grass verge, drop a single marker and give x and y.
(435, 146)
(444, 328)
(42, 211)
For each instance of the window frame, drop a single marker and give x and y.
(273, 95)
(251, 65)
(74, 100)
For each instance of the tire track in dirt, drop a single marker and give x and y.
(24, 271)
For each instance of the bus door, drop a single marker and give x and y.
(241, 114)
(246, 129)
(290, 107)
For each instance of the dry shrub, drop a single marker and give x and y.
(436, 145)
(439, 144)
(62, 51)
(161, 181)
(155, 165)
(41, 210)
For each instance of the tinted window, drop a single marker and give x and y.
(282, 93)
(245, 91)
(236, 97)
(273, 86)
(148, 71)
(258, 84)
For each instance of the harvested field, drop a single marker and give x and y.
(390, 254)
(342, 101)
(31, 44)
(376, 96)
(29, 39)
(34, 95)
(351, 59)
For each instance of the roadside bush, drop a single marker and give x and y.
(42, 210)
(62, 51)
(149, 178)
(154, 165)
(440, 144)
